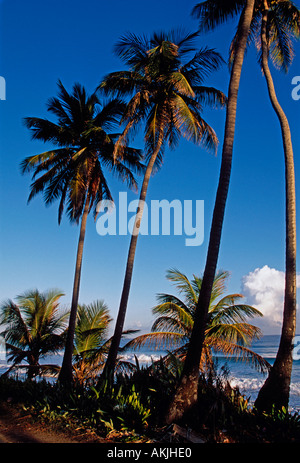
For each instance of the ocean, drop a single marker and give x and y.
(243, 374)
(240, 374)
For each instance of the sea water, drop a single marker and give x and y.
(242, 375)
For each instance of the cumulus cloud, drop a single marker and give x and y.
(264, 289)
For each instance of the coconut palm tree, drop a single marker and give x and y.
(276, 23)
(276, 31)
(166, 94)
(74, 172)
(210, 14)
(90, 341)
(34, 327)
(226, 331)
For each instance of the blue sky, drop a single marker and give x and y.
(42, 42)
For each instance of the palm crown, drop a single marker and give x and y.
(34, 328)
(227, 329)
(75, 171)
(165, 89)
(283, 25)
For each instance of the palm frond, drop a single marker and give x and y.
(158, 340)
(210, 96)
(132, 49)
(214, 13)
(244, 354)
(183, 285)
(204, 62)
(236, 333)
(283, 27)
(189, 121)
(227, 329)
(228, 311)
(91, 330)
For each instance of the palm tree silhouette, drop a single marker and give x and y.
(74, 172)
(166, 95)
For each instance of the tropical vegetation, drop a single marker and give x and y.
(227, 330)
(33, 327)
(90, 341)
(162, 93)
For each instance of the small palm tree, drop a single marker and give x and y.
(33, 329)
(227, 329)
(90, 341)
(74, 172)
(166, 94)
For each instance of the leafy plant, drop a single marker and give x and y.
(227, 327)
(33, 328)
(132, 414)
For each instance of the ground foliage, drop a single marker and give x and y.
(134, 409)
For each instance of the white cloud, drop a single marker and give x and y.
(264, 289)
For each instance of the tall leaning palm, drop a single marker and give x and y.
(75, 171)
(274, 25)
(277, 23)
(166, 94)
(33, 328)
(227, 328)
(210, 14)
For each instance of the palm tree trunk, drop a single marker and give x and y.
(65, 375)
(187, 392)
(275, 390)
(108, 372)
(33, 365)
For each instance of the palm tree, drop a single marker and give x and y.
(210, 14)
(278, 22)
(90, 341)
(226, 331)
(273, 27)
(33, 328)
(167, 95)
(74, 172)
